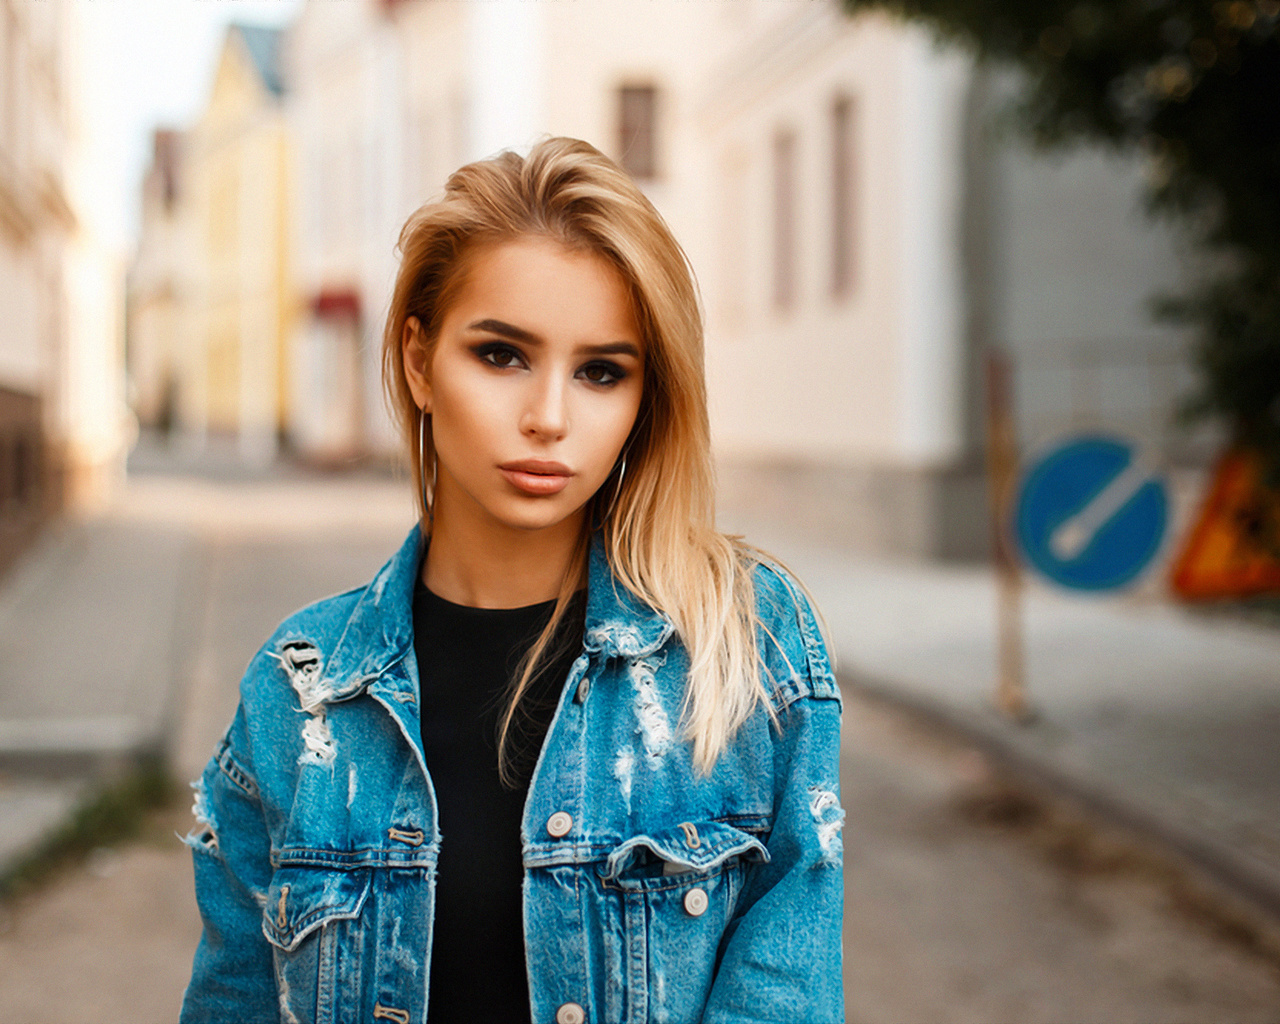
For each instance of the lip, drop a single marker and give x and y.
(537, 476)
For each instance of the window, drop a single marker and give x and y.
(638, 130)
(784, 219)
(842, 197)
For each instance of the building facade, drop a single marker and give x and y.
(160, 287)
(212, 296)
(36, 226)
(863, 231)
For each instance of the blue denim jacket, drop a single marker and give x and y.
(651, 893)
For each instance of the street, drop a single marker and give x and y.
(968, 897)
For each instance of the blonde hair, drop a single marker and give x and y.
(659, 533)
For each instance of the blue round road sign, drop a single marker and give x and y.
(1091, 514)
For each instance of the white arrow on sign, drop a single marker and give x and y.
(1076, 533)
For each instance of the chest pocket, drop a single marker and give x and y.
(673, 895)
(306, 916)
(690, 848)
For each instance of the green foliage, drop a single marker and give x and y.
(110, 814)
(1196, 85)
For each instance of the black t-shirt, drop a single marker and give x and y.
(466, 660)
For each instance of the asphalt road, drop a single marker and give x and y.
(967, 900)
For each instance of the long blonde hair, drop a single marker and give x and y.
(659, 532)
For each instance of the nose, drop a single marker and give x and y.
(546, 412)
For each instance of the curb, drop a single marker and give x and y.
(1238, 874)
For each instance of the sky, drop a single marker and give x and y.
(145, 63)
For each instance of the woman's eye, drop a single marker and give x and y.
(603, 373)
(499, 355)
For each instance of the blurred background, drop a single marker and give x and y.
(934, 241)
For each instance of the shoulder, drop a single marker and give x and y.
(793, 650)
(306, 635)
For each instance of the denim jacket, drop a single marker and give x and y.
(651, 893)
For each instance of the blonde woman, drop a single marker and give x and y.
(572, 754)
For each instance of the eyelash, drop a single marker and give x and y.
(487, 351)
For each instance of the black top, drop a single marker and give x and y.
(466, 660)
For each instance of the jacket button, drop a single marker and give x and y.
(558, 825)
(571, 1013)
(584, 688)
(695, 902)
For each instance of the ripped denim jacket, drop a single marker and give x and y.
(317, 840)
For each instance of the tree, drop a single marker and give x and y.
(1196, 85)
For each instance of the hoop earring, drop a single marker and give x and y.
(427, 506)
(617, 490)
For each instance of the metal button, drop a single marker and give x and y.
(571, 1013)
(558, 825)
(584, 688)
(695, 902)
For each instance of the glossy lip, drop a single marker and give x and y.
(537, 476)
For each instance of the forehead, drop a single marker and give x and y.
(548, 289)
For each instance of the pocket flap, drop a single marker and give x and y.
(301, 899)
(689, 846)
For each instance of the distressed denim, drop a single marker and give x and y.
(651, 893)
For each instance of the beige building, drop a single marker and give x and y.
(160, 287)
(36, 226)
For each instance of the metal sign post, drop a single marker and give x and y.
(1002, 475)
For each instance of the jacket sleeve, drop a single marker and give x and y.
(233, 976)
(781, 955)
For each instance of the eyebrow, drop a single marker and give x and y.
(506, 330)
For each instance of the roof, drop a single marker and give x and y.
(263, 45)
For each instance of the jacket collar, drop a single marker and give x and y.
(379, 631)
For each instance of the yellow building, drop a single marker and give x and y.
(232, 366)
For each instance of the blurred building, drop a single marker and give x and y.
(36, 226)
(160, 287)
(211, 298)
(351, 104)
(863, 230)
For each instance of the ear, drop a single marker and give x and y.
(416, 359)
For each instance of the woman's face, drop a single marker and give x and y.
(532, 386)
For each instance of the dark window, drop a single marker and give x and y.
(23, 469)
(784, 219)
(843, 222)
(638, 130)
(7, 496)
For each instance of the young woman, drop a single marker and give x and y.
(572, 755)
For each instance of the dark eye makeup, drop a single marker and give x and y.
(501, 354)
(603, 372)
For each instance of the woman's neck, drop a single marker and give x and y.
(499, 568)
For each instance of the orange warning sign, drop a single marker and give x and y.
(1234, 549)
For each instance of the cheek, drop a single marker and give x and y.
(463, 417)
(611, 426)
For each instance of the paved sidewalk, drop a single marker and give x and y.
(125, 634)
(1164, 718)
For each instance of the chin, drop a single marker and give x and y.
(535, 518)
